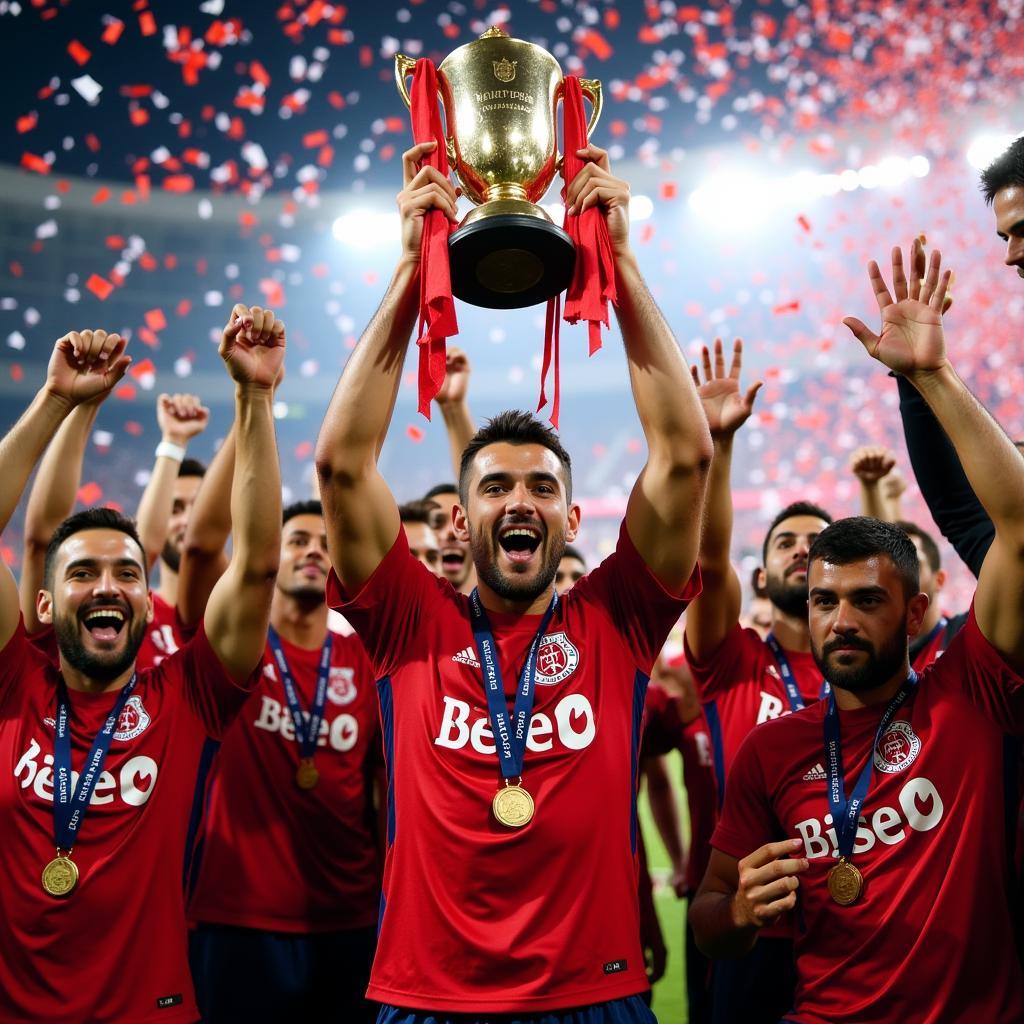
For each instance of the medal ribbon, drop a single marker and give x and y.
(796, 701)
(846, 813)
(69, 809)
(307, 730)
(509, 736)
(925, 641)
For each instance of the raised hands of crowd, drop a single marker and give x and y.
(86, 366)
(252, 346)
(181, 417)
(726, 407)
(911, 340)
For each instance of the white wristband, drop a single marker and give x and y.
(170, 450)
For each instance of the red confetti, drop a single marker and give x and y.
(31, 162)
(147, 337)
(596, 43)
(155, 319)
(90, 493)
(133, 427)
(787, 307)
(179, 183)
(147, 23)
(112, 32)
(17, 373)
(126, 392)
(26, 123)
(99, 286)
(414, 433)
(313, 139)
(143, 369)
(78, 52)
(304, 449)
(101, 196)
(804, 222)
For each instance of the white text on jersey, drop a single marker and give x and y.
(342, 733)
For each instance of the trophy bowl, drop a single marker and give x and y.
(500, 97)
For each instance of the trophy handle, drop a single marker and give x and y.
(591, 88)
(404, 67)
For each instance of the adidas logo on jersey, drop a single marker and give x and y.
(467, 656)
(816, 774)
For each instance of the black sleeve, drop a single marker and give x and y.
(944, 486)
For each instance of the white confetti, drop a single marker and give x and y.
(16, 340)
(87, 87)
(102, 438)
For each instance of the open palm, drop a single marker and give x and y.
(725, 407)
(911, 338)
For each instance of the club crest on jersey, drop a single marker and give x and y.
(133, 721)
(341, 685)
(898, 748)
(557, 659)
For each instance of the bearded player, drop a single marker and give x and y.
(890, 794)
(107, 761)
(510, 881)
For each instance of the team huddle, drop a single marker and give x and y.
(353, 760)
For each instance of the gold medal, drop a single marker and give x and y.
(513, 806)
(845, 883)
(60, 876)
(307, 775)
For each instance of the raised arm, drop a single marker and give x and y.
(714, 613)
(209, 525)
(51, 500)
(663, 515)
(180, 418)
(911, 343)
(84, 367)
(359, 508)
(238, 611)
(871, 464)
(453, 401)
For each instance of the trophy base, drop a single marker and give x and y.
(510, 260)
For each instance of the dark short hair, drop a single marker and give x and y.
(928, 545)
(796, 508)
(440, 489)
(310, 507)
(191, 467)
(571, 552)
(1007, 169)
(513, 427)
(89, 519)
(416, 512)
(859, 537)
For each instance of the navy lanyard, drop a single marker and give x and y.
(307, 730)
(69, 809)
(846, 813)
(796, 701)
(921, 643)
(509, 736)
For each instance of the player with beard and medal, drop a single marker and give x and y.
(742, 679)
(880, 812)
(108, 758)
(288, 884)
(512, 690)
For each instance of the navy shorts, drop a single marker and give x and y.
(631, 1010)
(244, 974)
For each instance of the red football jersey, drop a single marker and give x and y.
(664, 731)
(115, 949)
(477, 917)
(163, 636)
(930, 939)
(278, 857)
(741, 686)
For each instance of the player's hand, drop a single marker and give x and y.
(425, 188)
(911, 340)
(768, 883)
(725, 407)
(677, 881)
(655, 952)
(871, 463)
(181, 417)
(595, 185)
(456, 377)
(252, 346)
(86, 366)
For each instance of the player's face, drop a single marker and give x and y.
(100, 603)
(518, 518)
(786, 563)
(302, 573)
(423, 545)
(455, 556)
(570, 572)
(860, 620)
(1008, 206)
(185, 490)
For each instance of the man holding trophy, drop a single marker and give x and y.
(511, 716)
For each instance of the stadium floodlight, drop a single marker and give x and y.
(985, 148)
(367, 229)
(641, 208)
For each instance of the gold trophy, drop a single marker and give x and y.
(500, 96)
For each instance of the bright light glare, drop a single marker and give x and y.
(919, 166)
(985, 148)
(641, 208)
(367, 229)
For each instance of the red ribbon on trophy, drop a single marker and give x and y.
(437, 320)
(593, 279)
